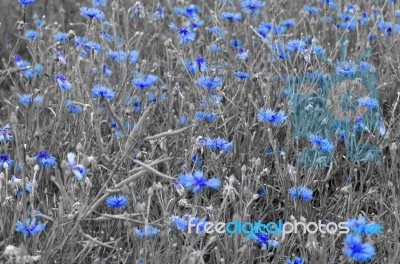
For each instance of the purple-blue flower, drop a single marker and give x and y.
(197, 181)
(217, 143)
(367, 102)
(5, 158)
(144, 81)
(301, 192)
(116, 201)
(296, 45)
(102, 91)
(26, 2)
(208, 82)
(147, 231)
(30, 227)
(267, 115)
(251, 5)
(185, 34)
(356, 249)
(92, 13)
(321, 143)
(296, 260)
(4, 136)
(346, 68)
(62, 81)
(45, 159)
(77, 170)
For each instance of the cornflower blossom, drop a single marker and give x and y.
(301, 192)
(144, 81)
(310, 9)
(241, 75)
(208, 82)
(147, 231)
(346, 68)
(231, 16)
(209, 117)
(4, 136)
(62, 81)
(355, 249)
(45, 159)
(296, 45)
(360, 225)
(116, 201)
(321, 143)
(102, 91)
(31, 34)
(184, 33)
(268, 115)
(30, 227)
(183, 223)
(77, 170)
(217, 143)
(263, 240)
(26, 2)
(5, 159)
(60, 57)
(197, 181)
(296, 260)
(251, 6)
(92, 13)
(367, 102)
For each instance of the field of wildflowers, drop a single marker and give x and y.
(122, 120)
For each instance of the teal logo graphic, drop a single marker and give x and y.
(328, 105)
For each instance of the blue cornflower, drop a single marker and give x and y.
(267, 115)
(346, 68)
(30, 228)
(359, 124)
(301, 192)
(144, 81)
(116, 201)
(208, 82)
(77, 170)
(197, 181)
(106, 71)
(296, 260)
(355, 249)
(133, 56)
(263, 240)
(360, 226)
(25, 99)
(310, 9)
(72, 107)
(251, 5)
(201, 63)
(99, 3)
(209, 117)
(235, 43)
(185, 35)
(317, 50)
(296, 45)
(60, 36)
(62, 81)
(102, 91)
(231, 16)
(118, 55)
(217, 143)
(242, 54)
(38, 69)
(26, 2)
(31, 34)
(4, 133)
(92, 13)
(5, 158)
(365, 66)
(45, 159)
(147, 231)
(241, 75)
(91, 45)
(367, 102)
(179, 222)
(288, 22)
(321, 143)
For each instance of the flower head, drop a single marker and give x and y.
(346, 68)
(31, 34)
(62, 81)
(45, 159)
(144, 81)
(296, 45)
(230, 16)
(92, 13)
(355, 249)
(184, 33)
(102, 91)
(147, 231)
(367, 102)
(208, 82)
(4, 133)
(321, 143)
(296, 260)
(263, 240)
(197, 181)
(77, 170)
(26, 2)
(116, 201)
(267, 115)
(301, 192)
(217, 143)
(251, 6)
(5, 158)
(30, 227)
